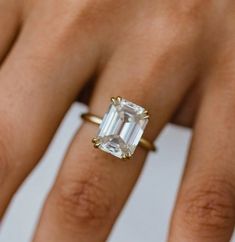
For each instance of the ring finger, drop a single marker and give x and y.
(92, 186)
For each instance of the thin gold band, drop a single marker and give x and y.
(144, 143)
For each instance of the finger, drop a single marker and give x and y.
(9, 24)
(36, 91)
(205, 209)
(93, 186)
(187, 111)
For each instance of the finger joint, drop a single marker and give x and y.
(84, 202)
(209, 208)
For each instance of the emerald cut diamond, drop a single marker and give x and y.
(121, 128)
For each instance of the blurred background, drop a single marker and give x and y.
(147, 213)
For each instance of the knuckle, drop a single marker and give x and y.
(84, 202)
(74, 13)
(71, 22)
(209, 208)
(191, 15)
(192, 7)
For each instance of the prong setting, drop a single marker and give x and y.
(116, 100)
(119, 99)
(121, 142)
(113, 100)
(97, 145)
(146, 114)
(126, 156)
(96, 142)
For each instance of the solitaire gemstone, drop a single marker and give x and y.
(122, 128)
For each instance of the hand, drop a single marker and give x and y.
(176, 58)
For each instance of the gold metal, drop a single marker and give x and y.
(146, 117)
(146, 112)
(126, 157)
(113, 100)
(144, 143)
(96, 145)
(96, 142)
(116, 100)
(119, 99)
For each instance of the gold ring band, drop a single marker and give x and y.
(144, 143)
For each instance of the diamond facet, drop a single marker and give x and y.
(122, 128)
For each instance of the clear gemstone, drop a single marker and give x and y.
(122, 128)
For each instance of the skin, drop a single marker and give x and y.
(178, 56)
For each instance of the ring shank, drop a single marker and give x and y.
(144, 143)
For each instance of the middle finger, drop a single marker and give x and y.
(38, 83)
